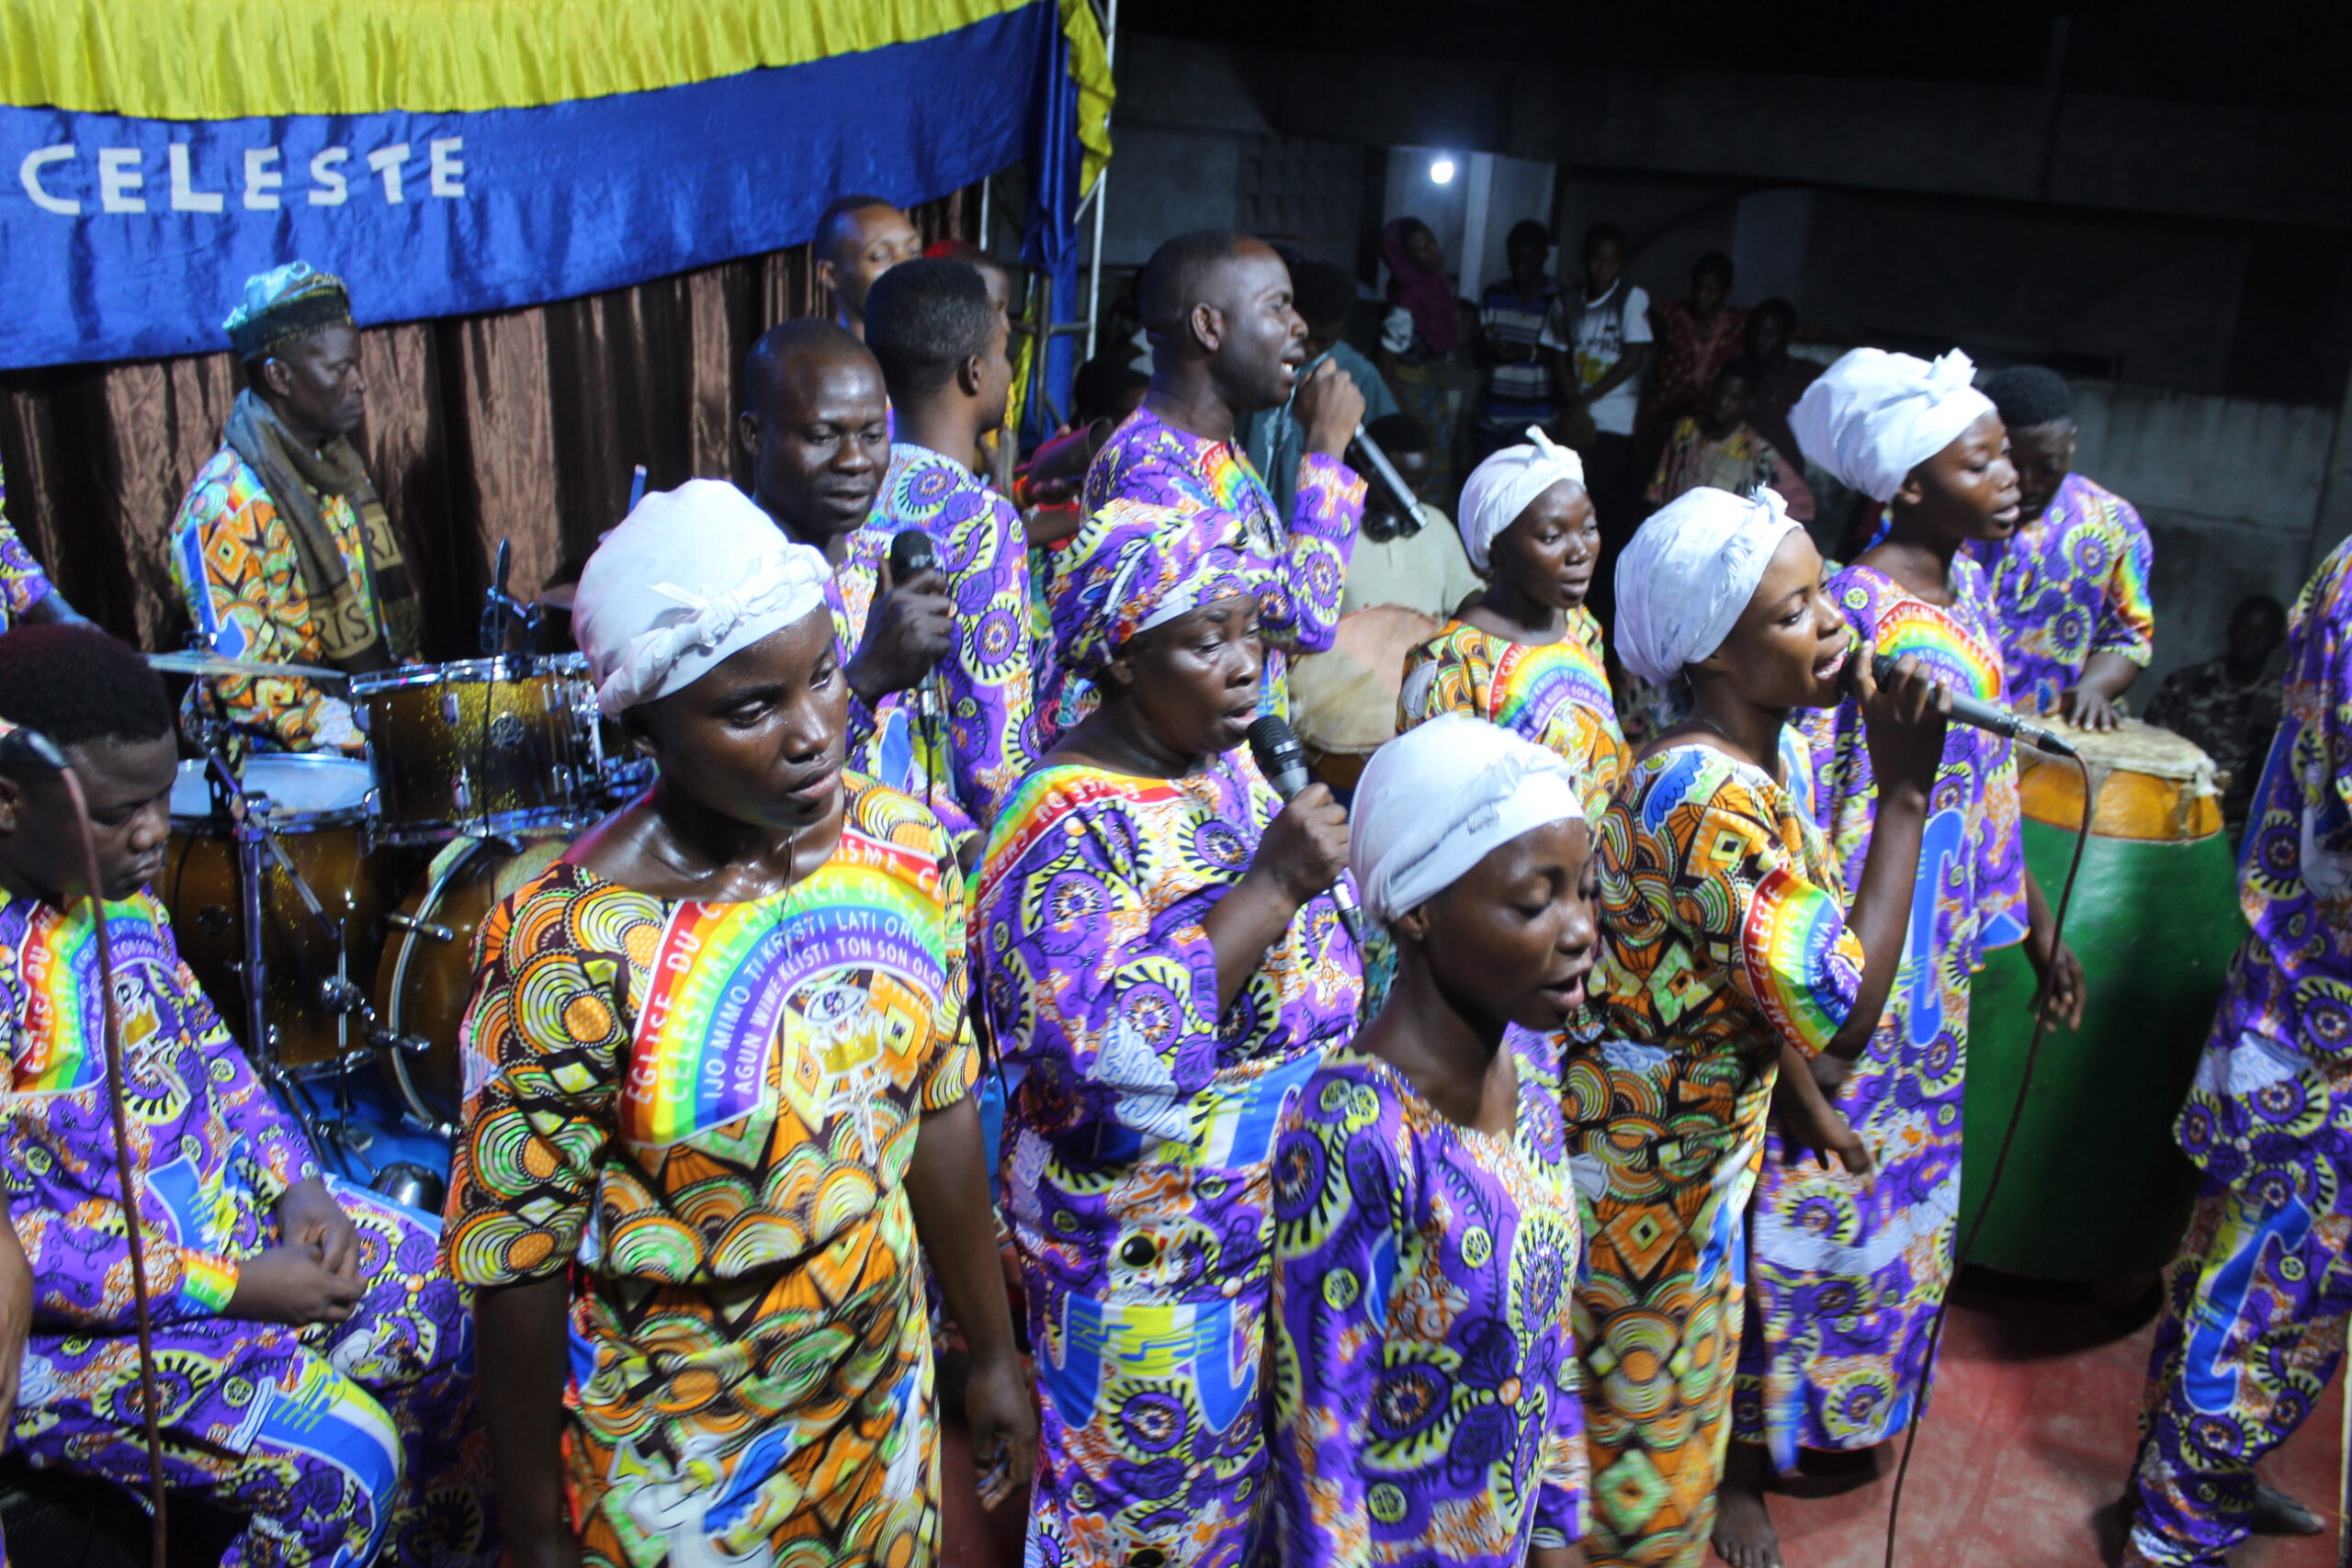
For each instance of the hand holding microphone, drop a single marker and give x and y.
(911, 626)
(1307, 847)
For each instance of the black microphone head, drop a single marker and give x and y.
(29, 750)
(910, 553)
(1276, 747)
(1882, 667)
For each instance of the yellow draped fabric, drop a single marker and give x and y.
(229, 59)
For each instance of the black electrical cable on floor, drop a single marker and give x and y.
(1993, 1182)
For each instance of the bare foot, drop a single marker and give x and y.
(1744, 1533)
(2275, 1513)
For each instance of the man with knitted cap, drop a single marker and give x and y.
(282, 549)
(2071, 583)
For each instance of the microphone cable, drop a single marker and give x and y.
(1966, 1245)
(29, 748)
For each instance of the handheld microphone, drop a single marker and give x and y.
(1410, 514)
(1985, 716)
(911, 554)
(1284, 762)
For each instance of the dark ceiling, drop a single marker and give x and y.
(2264, 53)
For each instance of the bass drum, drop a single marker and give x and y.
(1343, 702)
(427, 975)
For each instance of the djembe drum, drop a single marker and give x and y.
(2094, 1187)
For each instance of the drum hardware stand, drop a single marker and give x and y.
(1965, 1245)
(502, 615)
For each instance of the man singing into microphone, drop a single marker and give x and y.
(941, 342)
(1225, 340)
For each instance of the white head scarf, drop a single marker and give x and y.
(692, 576)
(1872, 417)
(1688, 571)
(1434, 801)
(1499, 490)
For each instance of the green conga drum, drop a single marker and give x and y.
(2094, 1187)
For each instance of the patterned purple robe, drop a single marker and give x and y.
(1136, 1177)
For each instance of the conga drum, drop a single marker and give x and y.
(1343, 702)
(2094, 1187)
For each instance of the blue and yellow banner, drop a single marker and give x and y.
(453, 156)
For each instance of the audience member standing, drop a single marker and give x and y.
(1598, 338)
(1511, 314)
(1418, 337)
(1782, 377)
(1696, 338)
(1716, 445)
(858, 239)
(2071, 586)
(2253, 1327)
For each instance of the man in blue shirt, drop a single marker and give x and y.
(1510, 326)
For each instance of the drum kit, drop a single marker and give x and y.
(338, 895)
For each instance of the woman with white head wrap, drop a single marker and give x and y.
(1731, 952)
(1919, 437)
(1426, 1165)
(717, 1084)
(1162, 961)
(1526, 654)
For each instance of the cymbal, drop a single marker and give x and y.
(221, 667)
(559, 595)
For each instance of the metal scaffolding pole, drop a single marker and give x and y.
(1095, 260)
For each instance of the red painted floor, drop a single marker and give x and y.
(2020, 1464)
(2023, 1456)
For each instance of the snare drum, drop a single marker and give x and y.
(426, 974)
(2094, 1188)
(481, 747)
(317, 804)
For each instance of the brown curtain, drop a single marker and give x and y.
(522, 426)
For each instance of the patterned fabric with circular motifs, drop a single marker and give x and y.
(1555, 693)
(2255, 1324)
(706, 1112)
(1137, 1178)
(1425, 1405)
(338, 1444)
(985, 734)
(1727, 941)
(2069, 584)
(1849, 1270)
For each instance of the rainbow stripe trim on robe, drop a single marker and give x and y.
(1043, 799)
(1962, 660)
(1790, 949)
(61, 1049)
(1532, 679)
(725, 973)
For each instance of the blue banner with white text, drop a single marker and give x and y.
(125, 238)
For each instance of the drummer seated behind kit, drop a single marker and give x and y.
(282, 549)
(317, 1368)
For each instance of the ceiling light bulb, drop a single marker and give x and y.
(1442, 171)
